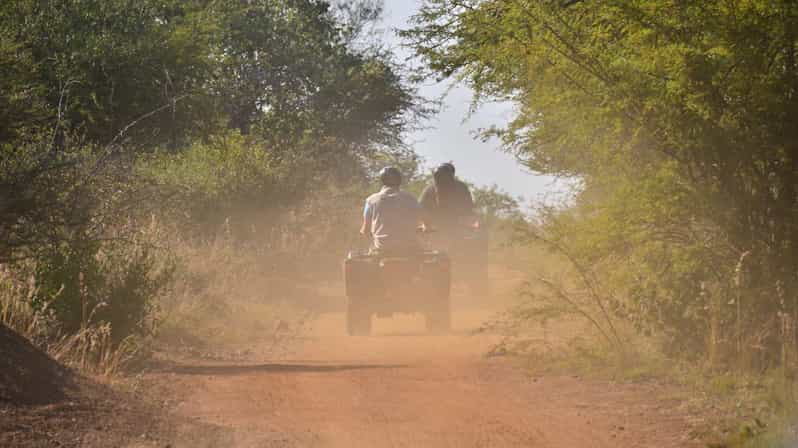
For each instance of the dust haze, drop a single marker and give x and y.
(309, 383)
(184, 183)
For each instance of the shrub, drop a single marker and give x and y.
(90, 282)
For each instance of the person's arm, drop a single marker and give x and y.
(427, 204)
(468, 207)
(468, 199)
(418, 210)
(368, 213)
(427, 199)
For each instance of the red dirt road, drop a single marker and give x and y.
(402, 388)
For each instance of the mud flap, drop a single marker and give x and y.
(437, 275)
(358, 317)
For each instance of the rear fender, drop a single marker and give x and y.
(362, 277)
(399, 270)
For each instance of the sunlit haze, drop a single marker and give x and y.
(449, 136)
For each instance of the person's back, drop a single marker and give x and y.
(447, 202)
(391, 216)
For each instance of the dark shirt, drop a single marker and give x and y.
(446, 204)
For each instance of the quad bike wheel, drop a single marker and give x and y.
(478, 282)
(439, 316)
(358, 319)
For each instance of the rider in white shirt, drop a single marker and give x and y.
(391, 216)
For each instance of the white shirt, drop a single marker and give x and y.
(394, 216)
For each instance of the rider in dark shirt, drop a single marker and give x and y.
(447, 202)
(447, 206)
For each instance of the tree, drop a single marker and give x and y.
(115, 112)
(89, 87)
(679, 118)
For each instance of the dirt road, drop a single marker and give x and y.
(402, 388)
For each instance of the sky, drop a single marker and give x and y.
(449, 136)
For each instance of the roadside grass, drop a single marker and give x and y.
(16, 311)
(222, 296)
(91, 349)
(779, 429)
(227, 297)
(738, 410)
(201, 328)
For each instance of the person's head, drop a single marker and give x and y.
(443, 173)
(390, 176)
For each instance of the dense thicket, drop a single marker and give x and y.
(121, 121)
(680, 120)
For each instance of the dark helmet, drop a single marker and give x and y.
(443, 172)
(445, 168)
(390, 176)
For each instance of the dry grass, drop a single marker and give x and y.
(90, 350)
(755, 410)
(224, 294)
(16, 312)
(228, 295)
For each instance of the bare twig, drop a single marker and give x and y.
(588, 281)
(571, 302)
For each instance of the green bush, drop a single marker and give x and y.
(258, 120)
(85, 283)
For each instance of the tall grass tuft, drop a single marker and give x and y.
(16, 310)
(91, 349)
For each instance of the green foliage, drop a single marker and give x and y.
(678, 118)
(86, 283)
(209, 182)
(44, 194)
(96, 84)
(109, 63)
(21, 103)
(495, 206)
(259, 119)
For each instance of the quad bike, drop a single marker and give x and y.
(384, 284)
(467, 248)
